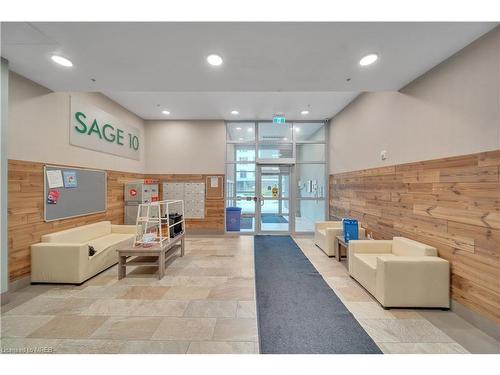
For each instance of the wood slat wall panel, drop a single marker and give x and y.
(450, 203)
(25, 210)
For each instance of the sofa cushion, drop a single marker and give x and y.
(371, 259)
(102, 243)
(405, 247)
(81, 234)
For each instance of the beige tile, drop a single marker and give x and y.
(101, 280)
(373, 310)
(211, 309)
(185, 329)
(16, 299)
(144, 292)
(113, 306)
(98, 291)
(52, 306)
(205, 281)
(354, 294)
(403, 330)
(222, 347)
(160, 308)
(155, 347)
(69, 326)
(229, 292)
(246, 309)
(422, 348)
(88, 346)
(127, 328)
(337, 282)
(22, 326)
(179, 292)
(241, 281)
(235, 330)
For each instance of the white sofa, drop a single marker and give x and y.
(401, 272)
(325, 233)
(63, 257)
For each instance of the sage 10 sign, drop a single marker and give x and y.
(95, 129)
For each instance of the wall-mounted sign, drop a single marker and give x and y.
(278, 119)
(92, 128)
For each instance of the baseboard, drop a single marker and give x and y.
(476, 320)
(4, 298)
(14, 286)
(18, 284)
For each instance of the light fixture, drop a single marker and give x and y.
(62, 61)
(238, 128)
(250, 129)
(304, 112)
(368, 59)
(165, 112)
(235, 112)
(297, 129)
(214, 60)
(241, 138)
(285, 139)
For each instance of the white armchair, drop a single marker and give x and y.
(325, 233)
(401, 272)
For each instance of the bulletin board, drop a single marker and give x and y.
(72, 192)
(215, 187)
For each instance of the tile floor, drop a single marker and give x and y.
(204, 304)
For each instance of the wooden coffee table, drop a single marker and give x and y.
(153, 256)
(340, 245)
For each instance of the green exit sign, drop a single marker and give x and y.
(278, 119)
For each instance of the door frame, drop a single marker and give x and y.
(293, 177)
(260, 199)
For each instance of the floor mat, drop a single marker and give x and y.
(297, 311)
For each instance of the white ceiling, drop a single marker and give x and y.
(268, 67)
(218, 105)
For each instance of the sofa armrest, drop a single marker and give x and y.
(58, 262)
(124, 229)
(413, 281)
(327, 224)
(370, 246)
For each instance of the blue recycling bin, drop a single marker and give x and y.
(233, 219)
(350, 227)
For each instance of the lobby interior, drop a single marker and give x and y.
(394, 125)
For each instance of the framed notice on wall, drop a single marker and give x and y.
(215, 187)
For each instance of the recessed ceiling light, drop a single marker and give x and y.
(241, 139)
(297, 129)
(250, 129)
(165, 112)
(235, 112)
(304, 112)
(238, 128)
(61, 61)
(368, 59)
(285, 139)
(214, 60)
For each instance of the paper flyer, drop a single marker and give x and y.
(54, 178)
(70, 179)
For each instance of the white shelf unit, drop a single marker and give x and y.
(153, 222)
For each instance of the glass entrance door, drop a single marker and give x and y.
(273, 203)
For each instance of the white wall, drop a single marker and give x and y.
(190, 147)
(452, 110)
(4, 85)
(39, 127)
